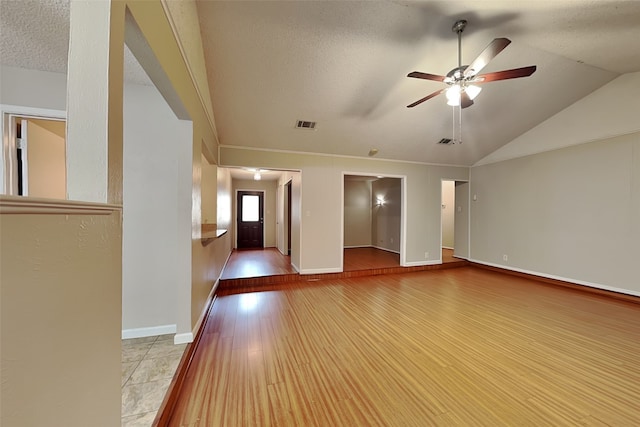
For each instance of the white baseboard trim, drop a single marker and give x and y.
(358, 246)
(148, 332)
(386, 249)
(564, 279)
(296, 268)
(225, 262)
(421, 263)
(320, 271)
(185, 338)
(447, 247)
(188, 337)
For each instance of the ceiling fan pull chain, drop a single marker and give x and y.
(460, 124)
(456, 119)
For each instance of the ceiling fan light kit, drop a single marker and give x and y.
(463, 80)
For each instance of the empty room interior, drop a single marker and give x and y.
(319, 213)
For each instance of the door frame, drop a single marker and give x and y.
(403, 213)
(236, 213)
(456, 225)
(8, 162)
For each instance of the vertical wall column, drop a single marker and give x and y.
(94, 101)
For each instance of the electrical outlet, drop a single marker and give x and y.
(426, 255)
(505, 257)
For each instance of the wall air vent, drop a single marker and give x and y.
(445, 141)
(303, 124)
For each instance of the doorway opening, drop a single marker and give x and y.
(373, 221)
(454, 220)
(287, 217)
(34, 153)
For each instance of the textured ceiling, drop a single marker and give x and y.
(344, 65)
(35, 35)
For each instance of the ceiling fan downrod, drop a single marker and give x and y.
(458, 28)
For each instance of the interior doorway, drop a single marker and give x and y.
(287, 219)
(373, 219)
(454, 220)
(250, 220)
(34, 154)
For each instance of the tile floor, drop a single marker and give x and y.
(148, 365)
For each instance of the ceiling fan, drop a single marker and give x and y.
(462, 82)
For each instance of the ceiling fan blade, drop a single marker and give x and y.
(465, 101)
(426, 76)
(431, 95)
(490, 52)
(506, 74)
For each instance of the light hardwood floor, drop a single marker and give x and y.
(463, 346)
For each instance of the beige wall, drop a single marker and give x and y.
(183, 17)
(270, 190)
(606, 112)
(281, 216)
(60, 316)
(209, 189)
(75, 260)
(461, 226)
(46, 158)
(357, 213)
(386, 217)
(570, 213)
(321, 201)
(211, 259)
(224, 198)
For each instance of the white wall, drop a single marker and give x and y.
(156, 212)
(570, 213)
(32, 88)
(321, 200)
(386, 218)
(448, 213)
(357, 213)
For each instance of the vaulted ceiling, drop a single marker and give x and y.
(343, 64)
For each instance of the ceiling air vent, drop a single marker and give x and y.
(303, 124)
(445, 141)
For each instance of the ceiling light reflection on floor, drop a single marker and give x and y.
(249, 302)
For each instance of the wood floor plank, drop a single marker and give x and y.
(464, 346)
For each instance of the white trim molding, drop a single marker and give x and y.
(188, 337)
(148, 332)
(185, 338)
(421, 263)
(33, 205)
(563, 279)
(320, 271)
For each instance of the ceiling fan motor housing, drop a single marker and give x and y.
(459, 26)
